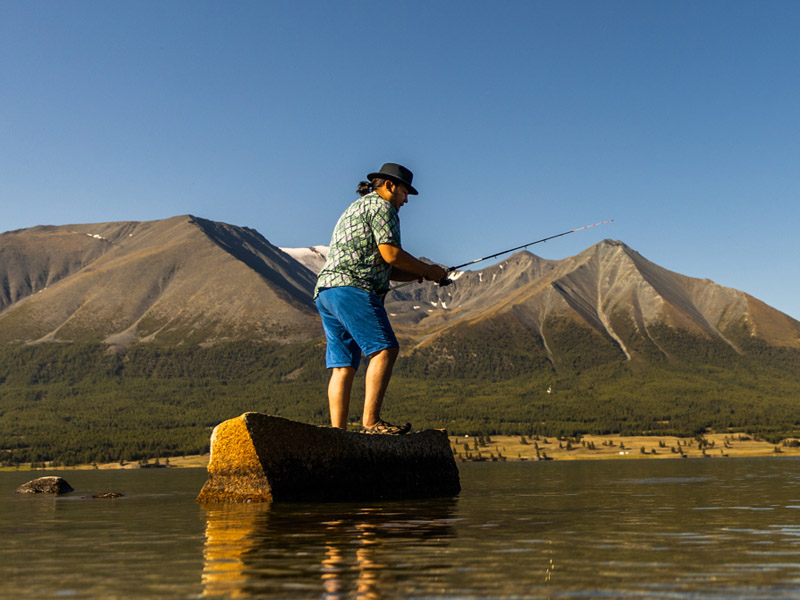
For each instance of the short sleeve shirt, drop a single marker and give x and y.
(354, 259)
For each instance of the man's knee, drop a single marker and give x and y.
(389, 354)
(342, 373)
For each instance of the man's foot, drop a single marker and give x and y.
(384, 428)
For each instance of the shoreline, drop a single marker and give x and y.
(172, 462)
(615, 447)
(506, 448)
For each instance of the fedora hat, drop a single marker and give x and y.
(396, 173)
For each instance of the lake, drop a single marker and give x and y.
(713, 528)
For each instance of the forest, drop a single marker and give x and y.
(65, 404)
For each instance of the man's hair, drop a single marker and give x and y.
(365, 187)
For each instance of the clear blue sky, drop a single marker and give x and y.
(679, 119)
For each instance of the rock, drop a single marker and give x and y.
(262, 458)
(45, 485)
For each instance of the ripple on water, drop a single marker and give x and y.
(526, 530)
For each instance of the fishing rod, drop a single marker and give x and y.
(552, 237)
(448, 281)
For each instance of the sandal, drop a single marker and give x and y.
(384, 428)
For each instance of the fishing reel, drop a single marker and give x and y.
(445, 281)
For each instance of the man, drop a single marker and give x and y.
(365, 254)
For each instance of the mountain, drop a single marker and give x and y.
(609, 289)
(608, 298)
(190, 280)
(174, 281)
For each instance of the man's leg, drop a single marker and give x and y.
(339, 387)
(379, 372)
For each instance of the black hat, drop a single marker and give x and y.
(396, 173)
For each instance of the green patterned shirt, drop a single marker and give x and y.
(354, 259)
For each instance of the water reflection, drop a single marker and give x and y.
(334, 551)
(678, 530)
(642, 529)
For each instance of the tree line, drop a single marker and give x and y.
(77, 403)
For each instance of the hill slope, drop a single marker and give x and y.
(615, 300)
(180, 280)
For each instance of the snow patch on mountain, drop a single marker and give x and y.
(96, 236)
(311, 257)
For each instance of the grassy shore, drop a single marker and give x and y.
(525, 448)
(194, 461)
(591, 447)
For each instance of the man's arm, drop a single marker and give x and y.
(408, 268)
(398, 275)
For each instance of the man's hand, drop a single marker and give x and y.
(435, 273)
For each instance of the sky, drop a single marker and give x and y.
(522, 119)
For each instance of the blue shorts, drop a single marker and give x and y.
(354, 321)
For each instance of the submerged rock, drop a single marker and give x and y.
(106, 495)
(45, 485)
(261, 458)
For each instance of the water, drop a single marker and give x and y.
(716, 528)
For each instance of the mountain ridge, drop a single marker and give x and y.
(195, 281)
(192, 280)
(609, 288)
